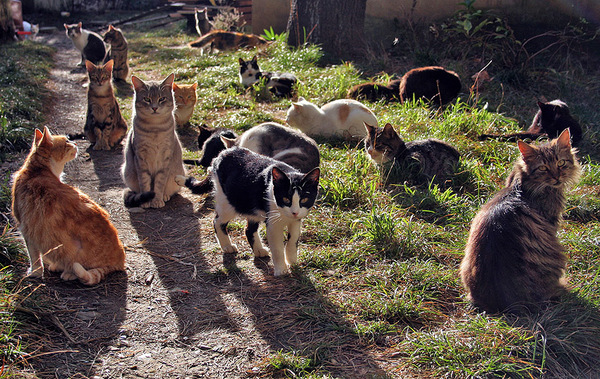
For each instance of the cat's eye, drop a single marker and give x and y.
(561, 163)
(286, 200)
(304, 200)
(146, 99)
(162, 99)
(542, 168)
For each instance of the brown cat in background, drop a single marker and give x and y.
(63, 228)
(118, 52)
(513, 257)
(104, 127)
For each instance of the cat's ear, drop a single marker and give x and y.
(46, 139)
(228, 142)
(301, 99)
(89, 66)
(138, 84)
(242, 62)
(564, 139)
(254, 59)
(388, 130)
(168, 82)
(540, 104)
(110, 27)
(79, 25)
(37, 137)
(195, 85)
(108, 67)
(175, 86)
(527, 151)
(279, 176)
(312, 177)
(370, 128)
(66, 26)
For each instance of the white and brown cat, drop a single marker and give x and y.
(64, 229)
(343, 118)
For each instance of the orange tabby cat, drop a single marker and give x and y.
(63, 228)
(185, 100)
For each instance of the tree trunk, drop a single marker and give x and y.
(336, 25)
(7, 25)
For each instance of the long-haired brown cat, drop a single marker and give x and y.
(513, 258)
(65, 231)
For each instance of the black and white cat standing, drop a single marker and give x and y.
(260, 188)
(90, 44)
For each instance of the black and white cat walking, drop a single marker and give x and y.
(260, 188)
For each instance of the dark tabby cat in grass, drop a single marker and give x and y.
(90, 44)
(513, 258)
(550, 120)
(104, 127)
(117, 52)
(433, 84)
(278, 83)
(277, 141)
(260, 188)
(415, 161)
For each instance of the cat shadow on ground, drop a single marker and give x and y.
(172, 237)
(293, 317)
(123, 89)
(107, 165)
(83, 322)
(567, 336)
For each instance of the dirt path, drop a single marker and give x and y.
(176, 312)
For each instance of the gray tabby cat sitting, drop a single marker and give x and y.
(153, 155)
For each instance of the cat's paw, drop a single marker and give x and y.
(279, 271)
(68, 275)
(155, 203)
(166, 197)
(180, 180)
(54, 267)
(261, 252)
(229, 249)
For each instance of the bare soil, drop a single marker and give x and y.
(182, 309)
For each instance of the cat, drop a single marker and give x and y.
(433, 84)
(418, 161)
(376, 91)
(279, 84)
(210, 142)
(260, 188)
(513, 257)
(340, 118)
(153, 154)
(89, 44)
(117, 52)
(185, 100)
(273, 140)
(104, 127)
(550, 120)
(225, 40)
(203, 25)
(64, 229)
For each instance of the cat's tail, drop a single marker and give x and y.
(513, 137)
(203, 41)
(92, 276)
(195, 162)
(134, 199)
(198, 187)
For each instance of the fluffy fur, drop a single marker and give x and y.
(105, 127)
(89, 44)
(513, 257)
(153, 155)
(185, 101)
(117, 52)
(376, 91)
(433, 84)
(419, 161)
(260, 188)
(225, 40)
(65, 231)
(550, 120)
(279, 84)
(339, 118)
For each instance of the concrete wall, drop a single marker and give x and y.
(267, 13)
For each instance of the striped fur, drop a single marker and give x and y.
(118, 52)
(224, 40)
